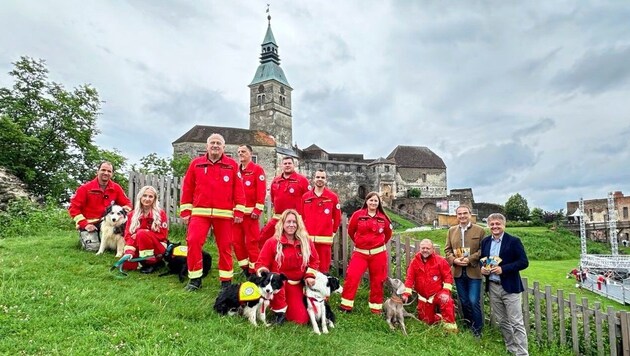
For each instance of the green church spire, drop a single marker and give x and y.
(269, 68)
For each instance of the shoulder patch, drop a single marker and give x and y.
(309, 187)
(238, 174)
(262, 177)
(164, 225)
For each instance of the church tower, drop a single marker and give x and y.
(270, 95)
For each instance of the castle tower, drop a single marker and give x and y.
(270, 95)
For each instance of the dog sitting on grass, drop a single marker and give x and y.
(393, 308)
(175, 258)
(316, 299)
(112, 230)
(250, 298)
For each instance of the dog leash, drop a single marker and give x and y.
(126, 258)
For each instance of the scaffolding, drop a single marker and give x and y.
(612, 224)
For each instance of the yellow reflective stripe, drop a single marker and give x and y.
(226, 274)
(248, 210)
(375, 306)
(145, 253)
(185, 207)
(195, 274)
(407, 290)
(373, 251)
(223, 213)
(448, 286)
(244, 262)
(127, 248)
(311, 271)
(422, 299)
(347, 302)
(239, 207)
(293, 282)
(281, 310)
(328, 240)
(260, 206)
(79, 218)
(93, 220)
(276, 216)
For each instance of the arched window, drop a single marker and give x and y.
(261, 89)
(259, 99)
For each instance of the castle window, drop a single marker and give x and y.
(261, 89)
(386, 168)
(359, 170)
(254, 158)
(259, 98)
(625, 212)
(282, 90)
(424, 177)
(373, 169)
(263, 98)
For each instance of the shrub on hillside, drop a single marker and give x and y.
(23, 218)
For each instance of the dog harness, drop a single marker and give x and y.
(248, 292)
(180, 251)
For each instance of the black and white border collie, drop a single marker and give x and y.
(250, 298)
(316, 299)
(112, 230)
(175, 258)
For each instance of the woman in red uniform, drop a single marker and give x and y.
(370, 229)
(146, 231)
(292, 253)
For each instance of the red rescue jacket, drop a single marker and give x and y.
(428, 278)
(212, 189)
(321, 214)
(255, 186)
(369, 232)
(286, 193)
(88, 204)
(292, 259)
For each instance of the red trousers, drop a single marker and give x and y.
(146, 244)
(290, 299)
(325, 256)
(198, 228)
(245, 240)
(377, 267)
(267, 232)
(442, 303)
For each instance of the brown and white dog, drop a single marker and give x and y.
(394, 308)
(316, 299)
(112, 230)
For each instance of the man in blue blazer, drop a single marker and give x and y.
(503, 282)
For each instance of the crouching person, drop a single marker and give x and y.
(292, 253)
(89, 202)
(430, 276)
(146, 232)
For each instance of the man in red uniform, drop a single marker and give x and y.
(212, 196)
(430, 276)
(286, 192)
(89, 202)
(321, 213)
(245, 235)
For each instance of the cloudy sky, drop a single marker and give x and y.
(528, 97)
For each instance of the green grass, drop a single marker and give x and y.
(57, 299)
(400, 223)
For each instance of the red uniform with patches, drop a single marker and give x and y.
(245, 235)
(322, 216)
(432, 279)
(146, 241)
(212, 195)
(370, 235)
(88, 204)
(286, 193)
(290, 299)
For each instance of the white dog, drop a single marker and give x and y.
(316, 301)
(113, 229)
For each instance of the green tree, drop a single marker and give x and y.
(537, 216)
(154, 164)
(46, 131)
(414, 193)
(115, 157)
(180, 164)
(516, 208)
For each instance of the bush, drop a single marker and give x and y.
(24, 218)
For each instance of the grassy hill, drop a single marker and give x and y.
(57, 299)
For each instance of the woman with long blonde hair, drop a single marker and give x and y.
(293, 254)
(146, 231)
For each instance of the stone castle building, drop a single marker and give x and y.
(596, 216)
(270, 134)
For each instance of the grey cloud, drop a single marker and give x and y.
(542, 126)
(597, 71)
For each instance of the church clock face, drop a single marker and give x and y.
(282, 90)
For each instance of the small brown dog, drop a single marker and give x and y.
(393, 307)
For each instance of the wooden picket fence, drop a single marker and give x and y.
(553, 319)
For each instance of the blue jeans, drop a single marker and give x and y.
(469, 294)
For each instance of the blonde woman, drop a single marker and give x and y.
(146, 231)
(293, 254)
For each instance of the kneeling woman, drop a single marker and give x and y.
(146, 231)
(292, 253)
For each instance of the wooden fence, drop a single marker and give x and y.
(553, 319)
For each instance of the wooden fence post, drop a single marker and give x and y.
(612, 331)
(598, 329)
(624, 317)
(537, 317)
(586, 324)
(562, 328)
(575, 338)
(549, 313)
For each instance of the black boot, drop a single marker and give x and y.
(280, 318)
(193, 284)
(225, 284)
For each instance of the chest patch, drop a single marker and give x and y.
(226, 179)
(248, 183)
(326, 211)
